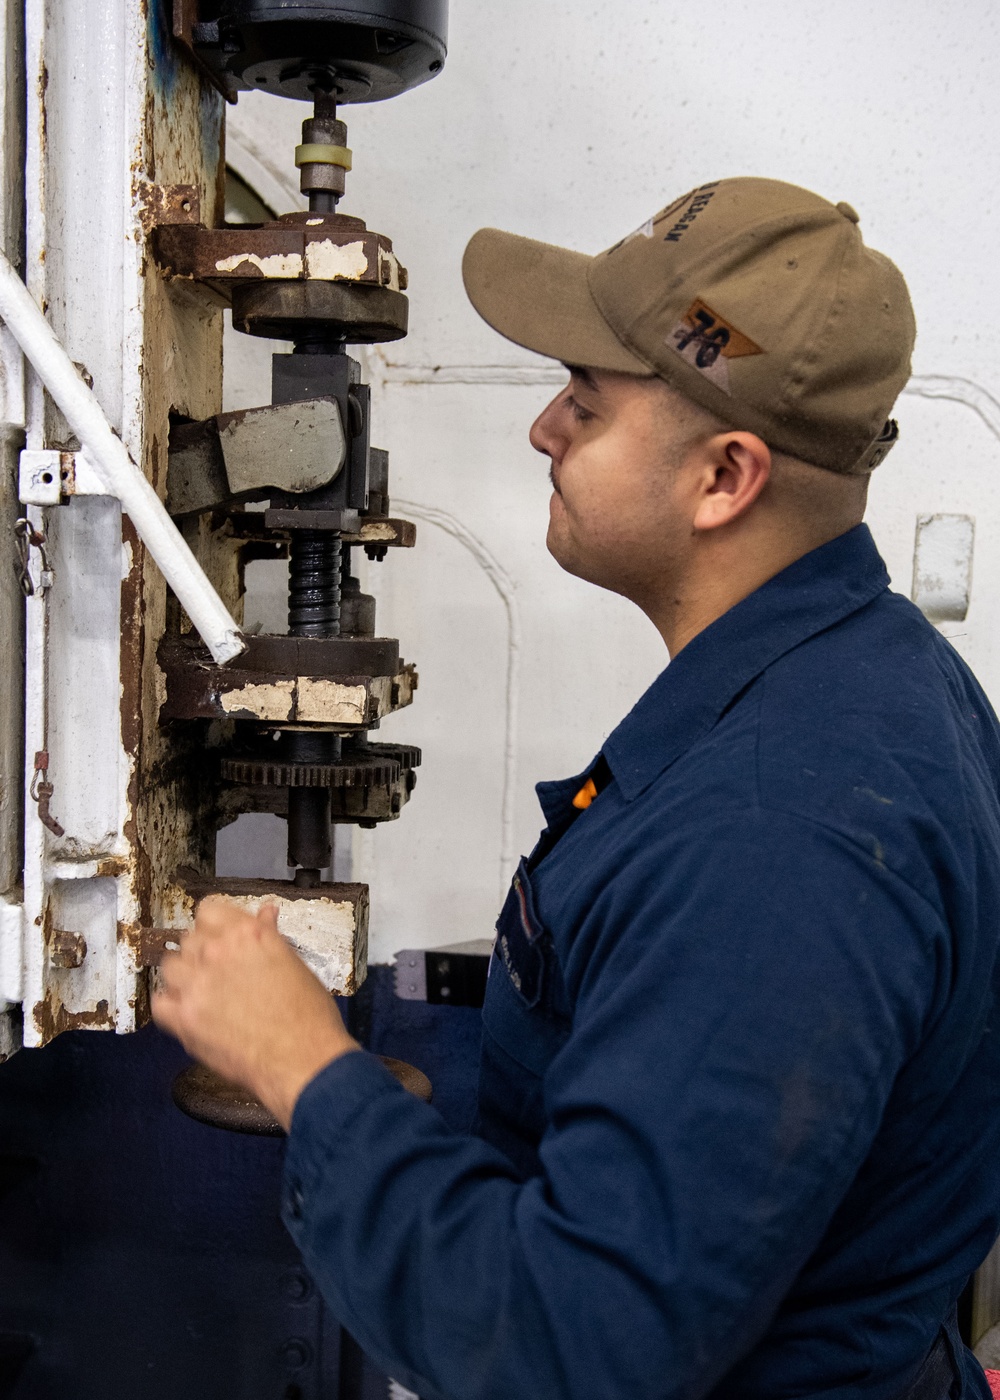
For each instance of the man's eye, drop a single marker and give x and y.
(581, 414)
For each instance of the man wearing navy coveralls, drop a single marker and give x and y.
(738, 1129)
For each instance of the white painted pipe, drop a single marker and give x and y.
(118, 472)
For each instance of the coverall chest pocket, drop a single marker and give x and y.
(526, 1009)
(520, 939)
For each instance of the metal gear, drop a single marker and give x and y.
(377, 765)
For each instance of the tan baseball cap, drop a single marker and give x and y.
(755, 298)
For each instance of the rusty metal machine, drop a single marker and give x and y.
(285, 728)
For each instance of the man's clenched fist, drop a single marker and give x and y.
(241, 1001)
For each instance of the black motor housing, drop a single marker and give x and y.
(352, 51)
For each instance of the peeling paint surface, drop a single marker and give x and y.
(326, 701)
(331, 262)
(388, 269)
(286, 265)
(271, 700)
(329, 933)
(372, 533)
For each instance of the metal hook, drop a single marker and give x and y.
(26, 538)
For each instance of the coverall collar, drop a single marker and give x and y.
(690, 696)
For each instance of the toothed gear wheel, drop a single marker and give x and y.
(378, 765)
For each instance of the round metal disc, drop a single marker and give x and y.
(203, 1095)
(357, 50)
(360, 312)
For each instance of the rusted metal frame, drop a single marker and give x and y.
(45, 1009)
(11, 598)
(125, 193)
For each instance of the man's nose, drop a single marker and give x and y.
(546, 434)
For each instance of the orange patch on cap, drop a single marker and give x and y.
(704, 321)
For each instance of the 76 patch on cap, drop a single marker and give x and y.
(708, 341)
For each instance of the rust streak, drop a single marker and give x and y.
(52, 1018)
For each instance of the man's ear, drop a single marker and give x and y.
(737, 468)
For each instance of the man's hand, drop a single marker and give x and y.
(241, 1001)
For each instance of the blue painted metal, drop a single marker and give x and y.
(142, 1254)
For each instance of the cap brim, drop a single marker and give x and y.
(537, 295)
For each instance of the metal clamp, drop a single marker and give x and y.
(48, 477)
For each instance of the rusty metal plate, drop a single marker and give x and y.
(303, 688)
(167, 204)
(296, 247)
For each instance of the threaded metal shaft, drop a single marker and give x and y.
(314, 584)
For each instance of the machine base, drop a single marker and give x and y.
(202, 1094)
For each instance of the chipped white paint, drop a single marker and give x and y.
(323, 930)
(272, 700)
(336, 262)
(388, 269)
(90, 908)
(279, 265)
(942, 566)
(325, 701)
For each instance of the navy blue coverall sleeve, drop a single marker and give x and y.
(737, 1033)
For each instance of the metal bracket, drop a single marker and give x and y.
(48, 477)
(287, 447)
(11, 951)
(450, 976)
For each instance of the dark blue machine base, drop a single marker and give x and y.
(141, 1253)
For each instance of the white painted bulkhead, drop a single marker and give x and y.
(573, 123)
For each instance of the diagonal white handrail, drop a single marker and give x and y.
(121, 476)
